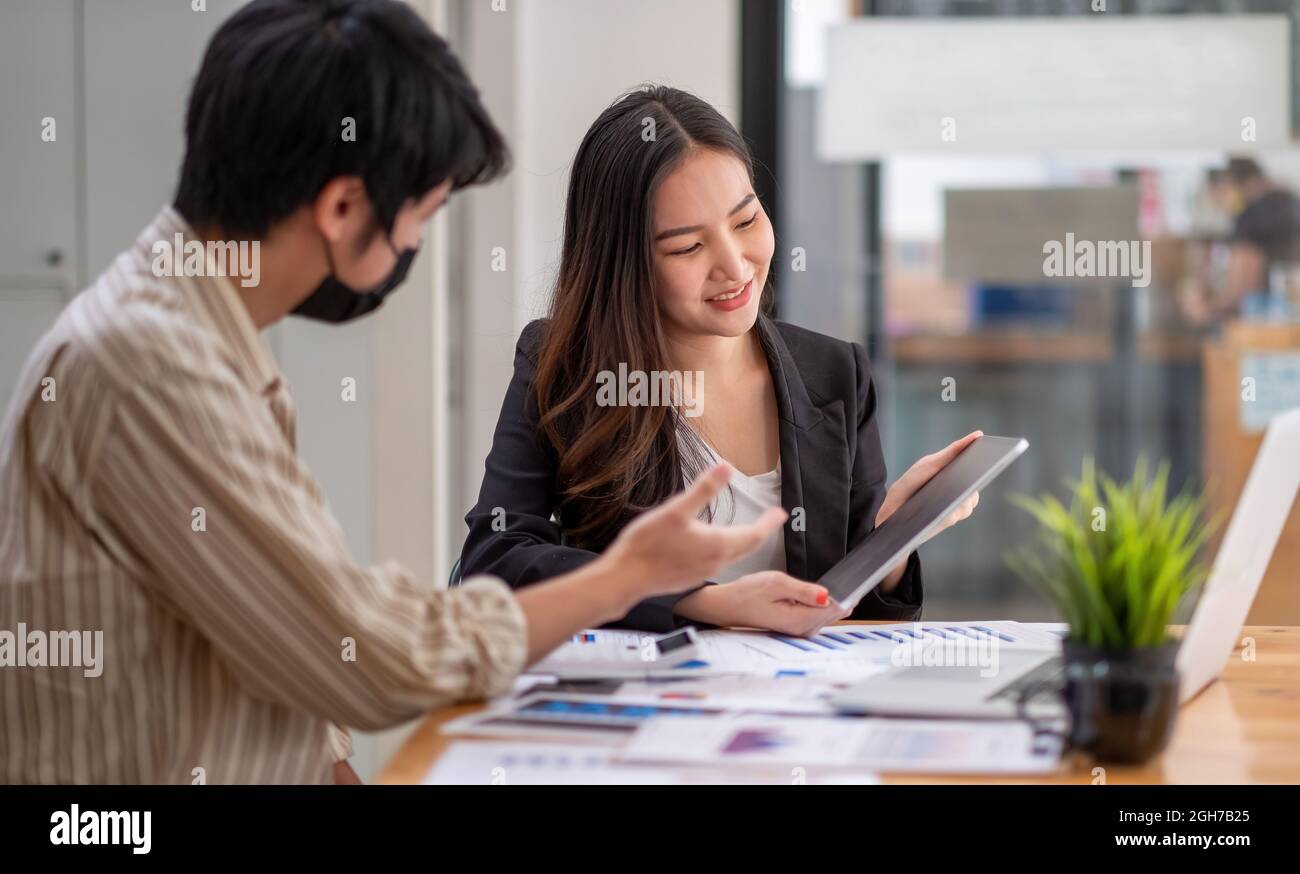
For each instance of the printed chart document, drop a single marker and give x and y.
(841, 652)
(619, 654)
(894, 745)
(485, 763)
(878, 643)
(781, 694)
(538, 764)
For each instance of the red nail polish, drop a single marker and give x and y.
(821, 598)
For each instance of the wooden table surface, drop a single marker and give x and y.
(1243, 728)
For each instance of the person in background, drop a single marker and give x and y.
(1261, 248)
(150, 489)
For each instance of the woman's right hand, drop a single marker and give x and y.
(770, 600)
(669, 548)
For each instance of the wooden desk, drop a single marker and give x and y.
(1243, 728)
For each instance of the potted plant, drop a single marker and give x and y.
(1118, 562)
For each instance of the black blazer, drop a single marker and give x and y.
(831, 465)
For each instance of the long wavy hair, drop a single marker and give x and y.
(618, 460)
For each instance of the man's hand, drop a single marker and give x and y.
(669, 548)
(666, 549)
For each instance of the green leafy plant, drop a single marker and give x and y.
(1119, 560)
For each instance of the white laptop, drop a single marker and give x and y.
(1257, 522)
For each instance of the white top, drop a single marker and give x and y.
(743, 503)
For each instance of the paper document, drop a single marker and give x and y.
(879, 643)
(843, 652)
(592, 718)
(479, 763)
(537, 764)
(789, 693)
(617, 654)
(899, 745)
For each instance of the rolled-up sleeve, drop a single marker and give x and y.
(200, 489)
(339, 741)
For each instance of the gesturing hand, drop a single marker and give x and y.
(669, 548)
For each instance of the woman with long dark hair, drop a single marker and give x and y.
(657, 360)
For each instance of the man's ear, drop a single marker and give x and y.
(341, 208)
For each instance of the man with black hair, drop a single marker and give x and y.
(151, 498)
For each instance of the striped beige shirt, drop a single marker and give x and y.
(176, 601)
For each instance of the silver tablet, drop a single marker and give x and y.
(871, 560)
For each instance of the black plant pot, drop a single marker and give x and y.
(1122, 703)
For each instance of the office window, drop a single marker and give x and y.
(910, 254)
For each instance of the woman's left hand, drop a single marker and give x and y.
(916, 476)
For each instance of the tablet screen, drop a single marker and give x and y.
(870, 561)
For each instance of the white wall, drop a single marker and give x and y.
(547, 68)
(40, 259)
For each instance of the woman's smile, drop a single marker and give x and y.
(733, 299)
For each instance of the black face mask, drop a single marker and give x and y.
(332, 301)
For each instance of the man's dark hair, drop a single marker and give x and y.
(266, 122)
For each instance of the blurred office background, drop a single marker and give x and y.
(915, 155)
(927, 150)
